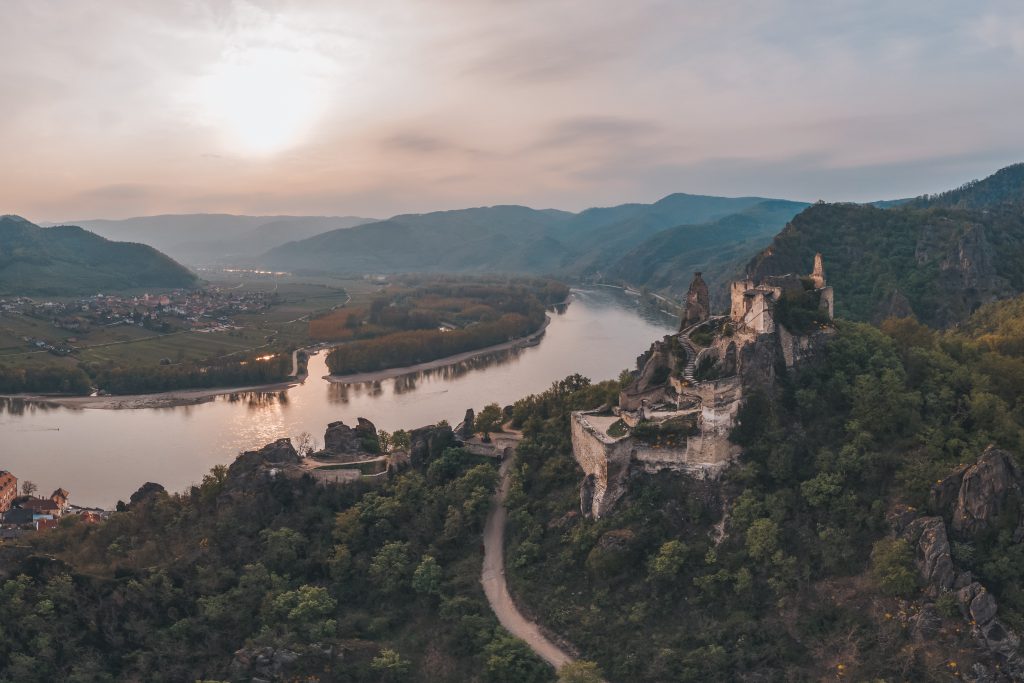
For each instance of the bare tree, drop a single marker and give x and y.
(305, 444)
(28, 487)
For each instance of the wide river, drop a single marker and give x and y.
(101, 456)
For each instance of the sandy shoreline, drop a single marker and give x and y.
(188, 397)
(379, 375)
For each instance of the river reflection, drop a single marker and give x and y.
(104, 455)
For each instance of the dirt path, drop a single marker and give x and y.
(493, 580)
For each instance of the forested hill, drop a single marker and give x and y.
(939, 258)
(719, 249)
(68, 260)
(517, 238)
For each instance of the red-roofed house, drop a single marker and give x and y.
(45, 524)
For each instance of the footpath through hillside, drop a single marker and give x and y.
(493, 576)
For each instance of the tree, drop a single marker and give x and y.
(509, 660)
(391, 665)
(386, 441)
(489, 420)
(580, 671)
(400, 440)
(892, 567)
(390, 566)
(28, 487)
(305, 444)
(669, 560)
(762, 538)
(427, 577)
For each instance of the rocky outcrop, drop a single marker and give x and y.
(341, 440)
(427, 443)
(147, 491)
(975, 497)
(933, 558)
(466, 431)
(698, 303)
(280, 453)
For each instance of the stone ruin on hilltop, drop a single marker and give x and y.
(679, 409)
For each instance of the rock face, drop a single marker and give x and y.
(340, 439)
(973, 498)
(698, 303)
(933, 558)
(977, 495)
(427, 443)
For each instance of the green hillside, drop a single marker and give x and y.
(504, 238)
(68, 260)
(939, 258)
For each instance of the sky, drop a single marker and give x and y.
(119, 108)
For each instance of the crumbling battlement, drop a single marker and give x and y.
(702, 375)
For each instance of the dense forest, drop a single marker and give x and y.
(806, 581)
(245, 577)
(431, 318)
(938, 258)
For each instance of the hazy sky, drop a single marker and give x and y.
(119, 108)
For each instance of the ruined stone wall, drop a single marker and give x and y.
(605, 464)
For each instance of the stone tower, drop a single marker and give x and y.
(698, 303)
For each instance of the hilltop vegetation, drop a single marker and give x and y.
(938, 258)
(68, 260)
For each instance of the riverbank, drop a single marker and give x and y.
(389, 373)
(167, 399)
(187, 397)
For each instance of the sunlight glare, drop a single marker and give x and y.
(263, 99)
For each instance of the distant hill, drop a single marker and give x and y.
(938, 257)
(667, 260)
(203, 239)
(514, 238)
(69, 260)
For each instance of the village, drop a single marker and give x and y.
(23, 513)
(200, 310)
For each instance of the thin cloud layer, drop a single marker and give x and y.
(261, 106)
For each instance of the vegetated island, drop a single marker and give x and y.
(426, 321)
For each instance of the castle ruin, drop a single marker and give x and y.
(679, 410)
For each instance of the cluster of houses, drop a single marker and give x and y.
(25, 513)
(200, 310)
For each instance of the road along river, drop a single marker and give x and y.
(104, 455)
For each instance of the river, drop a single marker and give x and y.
(102, 456)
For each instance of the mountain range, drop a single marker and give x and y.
(613, 242)
(70, 260)
(208, 238)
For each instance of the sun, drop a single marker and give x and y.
(262, 99)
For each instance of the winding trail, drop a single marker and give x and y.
(493, 579)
